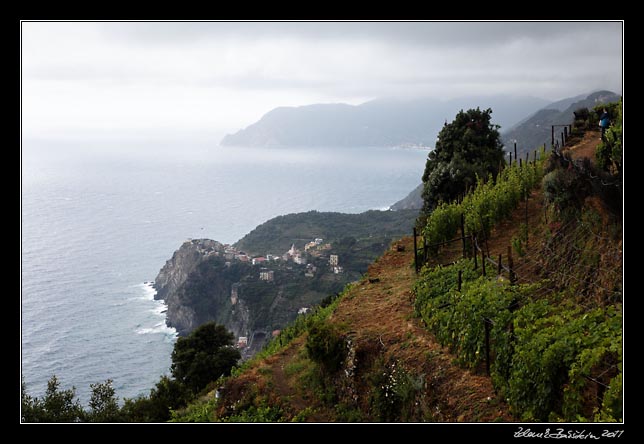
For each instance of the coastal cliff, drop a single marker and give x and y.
(207, 281)
(282, 268)
(177, 269)
(196, 285)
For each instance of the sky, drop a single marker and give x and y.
(107, 78)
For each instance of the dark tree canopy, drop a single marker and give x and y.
(204, 356)
(103, 404)
(467, 147)
(56, 406)
(167, 395)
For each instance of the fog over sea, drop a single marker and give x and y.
(100, 218)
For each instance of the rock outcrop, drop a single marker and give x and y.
(253, 289)
(183, 262)
(196, 285)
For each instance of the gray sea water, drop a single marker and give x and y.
(100, 218)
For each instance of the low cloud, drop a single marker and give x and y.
(225, 75)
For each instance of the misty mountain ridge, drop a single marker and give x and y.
(380, 122)
(536, 129)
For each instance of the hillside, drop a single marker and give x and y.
(279, 233)
(382, 122)
(401, 346)
(535, 130)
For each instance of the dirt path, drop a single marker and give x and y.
(586, 147)
(286, 390)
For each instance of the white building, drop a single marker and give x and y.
(266, 275)
(333, 260)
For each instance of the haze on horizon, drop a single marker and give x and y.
(107, 78)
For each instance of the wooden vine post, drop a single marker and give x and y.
(526, 218)
(515, 151)
(415, 252)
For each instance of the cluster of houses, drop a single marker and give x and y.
(315, 248)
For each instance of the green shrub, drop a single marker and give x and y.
(261, 413)
(396, 394)
(326, 346)
(565, 188)
(198, 411)
(443, 223)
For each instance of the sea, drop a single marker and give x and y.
(99, 218)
